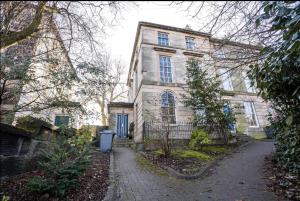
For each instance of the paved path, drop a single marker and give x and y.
(237, 178)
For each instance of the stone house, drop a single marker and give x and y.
(157, 78)
(38, 55)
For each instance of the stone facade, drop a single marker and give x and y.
(114, 111)
(146, 86)
(38, 56)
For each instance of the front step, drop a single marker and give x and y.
(123, 142)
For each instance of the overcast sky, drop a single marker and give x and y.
(120, 39)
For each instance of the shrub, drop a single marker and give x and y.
(82, 138)
(61, 166)
(31, 124)
(199, 137)
(287, 142)
(66, 131)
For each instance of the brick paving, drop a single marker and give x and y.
(238, 177)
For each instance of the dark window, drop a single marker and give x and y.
(61, 120)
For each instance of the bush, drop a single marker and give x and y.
(82, 138)
(199, 137)
(31, 124)
(66, 131)
(287, 142)
(61, 166)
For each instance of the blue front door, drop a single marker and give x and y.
(122, 125)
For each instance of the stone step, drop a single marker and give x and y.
(122, 142)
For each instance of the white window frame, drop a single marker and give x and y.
(190, 43)
(170, 106)
(163, 69)
(161, 36)
(226, 79)
(250, 113)
(219, 53)
(249, 88)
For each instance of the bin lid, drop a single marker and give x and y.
(108, 132)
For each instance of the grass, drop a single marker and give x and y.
(217, 149)
(206, 153)
(192, 154)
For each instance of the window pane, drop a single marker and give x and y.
(249, 88)
(250, 113)
(227, 84)
(168, 107)
(219, 53)
(61, 120)
(165, 69)
(190, 43)
(163, 39)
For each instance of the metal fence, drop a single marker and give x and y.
(180, 130)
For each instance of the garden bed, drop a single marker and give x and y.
(282, 183)
(93, 184)
(186, 161)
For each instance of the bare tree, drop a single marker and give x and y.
(76, 20)
(39, 41)
(101, 82)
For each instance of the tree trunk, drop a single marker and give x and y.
(103, 115)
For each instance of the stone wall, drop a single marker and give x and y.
(18, 150)
(15, 164)
(113, 116)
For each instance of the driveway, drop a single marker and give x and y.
(238, 177)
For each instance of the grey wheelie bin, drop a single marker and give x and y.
(106, 140)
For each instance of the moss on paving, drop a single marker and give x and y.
(145, 163)
(259, 136)
(192, 154)
(217, 149)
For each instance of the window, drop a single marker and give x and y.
(168, 107)
(61, 120)
(165, 69)
(163, 39)
(242, 55)
(201, 115)
(251, 114)
(249, 88)
(219, 53)
(136, 81)
(190, 43)
(227, 84)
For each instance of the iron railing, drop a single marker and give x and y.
(179, 130)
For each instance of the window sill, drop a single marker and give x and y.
(227, 92)
(164, 49)
(193, 53)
